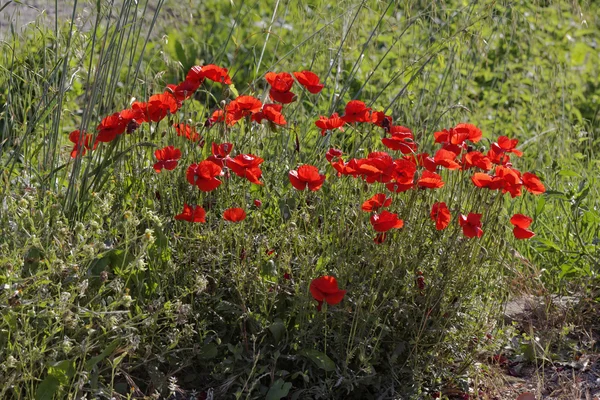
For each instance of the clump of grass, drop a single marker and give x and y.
(107, 293)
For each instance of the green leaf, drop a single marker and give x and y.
(278, 390)
(47, 389)
(208, 351)
(180, 52)
(277, 329)
(321, 360)
(91, 363)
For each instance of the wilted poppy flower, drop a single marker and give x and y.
(328, 124)
(220, 153)
(306, 176)
(325, 289)
(246, 166)
(235, 214)
(532, 183)
(441, 215)
(196, 214)
(521, 223)
(281, 84)
(167, 158)
(240, 107)
(430, 180)
(271, 112)
(81, 143)
(187, 131)
(356, 111)
(110, 127)
(376, 202)
(204, 175)
(471, 225)
(309, 80)
(385, 221)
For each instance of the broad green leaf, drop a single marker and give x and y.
(278, 390)
(321, 360)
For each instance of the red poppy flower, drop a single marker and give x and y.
(241, 107)
(281, 84)
(532, 183)
(110, 127)
(189, 132)
(521, 223)
(204, 175)
(376, 202)
(430, 180)
(446, 159)
(498, 157)
(220, 153)
(385, 221)
(441, 215)
(511, 180)
(328, 124)
(401, 139)
(356, 111)
(422, 160)
(403, 176)
(258, 203)
(377, 167)
(476, 159)
(157, 107)
(349, 168)
(196, 214)
(471, 132)
(325, 289)
(271, 112)
(482, 180)
(333, 153)
(210, 71)
(306, 176)
(217, 116)
(81, 143)
(167, 158)
(235, 214)
(506, 145)
(471, 225)
(385, 121)
(184, 90)
(310, 81)
(246, 166)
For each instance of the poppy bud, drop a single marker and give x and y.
(258, 203)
